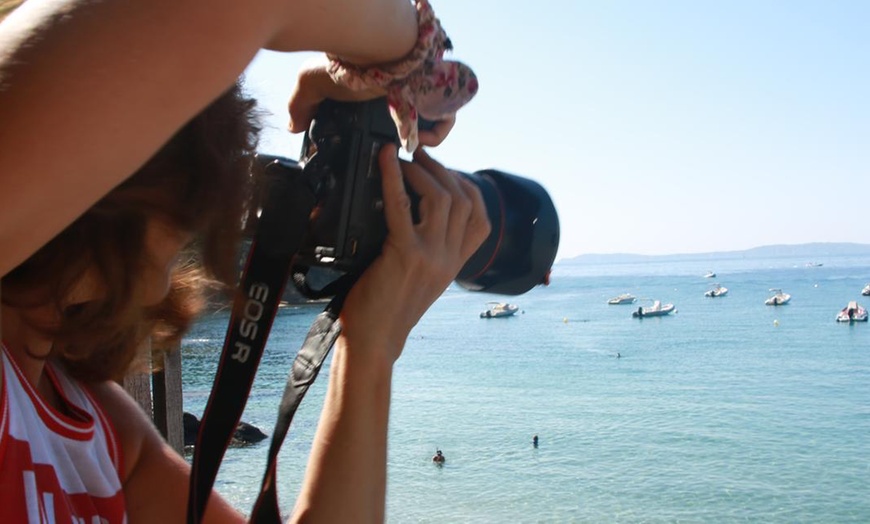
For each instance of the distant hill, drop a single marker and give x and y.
(816, 251)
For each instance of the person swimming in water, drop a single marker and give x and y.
(438, 458)
(535, 441)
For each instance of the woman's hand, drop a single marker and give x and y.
(418, 261)
(314, 85)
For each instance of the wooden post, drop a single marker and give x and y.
(168, 403)
(138, 384)
(160, 395)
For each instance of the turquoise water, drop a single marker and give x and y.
(713, 414)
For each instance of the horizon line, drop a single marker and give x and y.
(731, 251)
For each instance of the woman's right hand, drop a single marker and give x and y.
(346, 476)
(418, 260)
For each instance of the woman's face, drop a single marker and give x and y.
(163, 245)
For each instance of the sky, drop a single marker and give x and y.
(657, 127)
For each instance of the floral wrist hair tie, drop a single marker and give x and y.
(420, 84)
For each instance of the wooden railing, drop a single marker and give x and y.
(160, 395)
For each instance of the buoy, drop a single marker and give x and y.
(565, 320)
(776, 323)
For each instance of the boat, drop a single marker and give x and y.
(499, 309)
(814, 264)
(625, 298)
(717, 291)
(656, 310)
(778, 299)
(710, 274)
(866, 291)
(853, 312)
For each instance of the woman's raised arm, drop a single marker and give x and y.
(90, 89)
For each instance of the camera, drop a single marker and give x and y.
(346, 230)
(326, 212)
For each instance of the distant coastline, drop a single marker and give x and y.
(811, 252)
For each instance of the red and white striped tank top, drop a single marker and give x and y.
(56, 467)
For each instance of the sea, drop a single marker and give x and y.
(727, 410)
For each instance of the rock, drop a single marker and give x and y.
(191, 428)
(248, 434)
(245, 433)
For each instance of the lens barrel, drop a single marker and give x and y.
(522, 245)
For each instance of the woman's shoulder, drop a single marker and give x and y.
(132, 426)
(156, 477)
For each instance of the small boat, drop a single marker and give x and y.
(866, 291)
(853, 312)
(710, 274)
(778, 299)
(717, 291)
(625, 298)
(656, 310)
(499, 309)
(814, 264)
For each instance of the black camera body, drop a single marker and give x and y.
(339, 163)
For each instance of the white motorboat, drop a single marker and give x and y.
(710, 274)
(853, 312)
(499, 309)
(625, 298)
(778, 299)
(656, 310)
(866, 291)
(717, 291)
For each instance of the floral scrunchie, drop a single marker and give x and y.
(420, 84)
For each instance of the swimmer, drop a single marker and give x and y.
(535, 441)
(438, 458)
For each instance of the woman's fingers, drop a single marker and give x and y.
(313, 86)
(434, 136)
(435, 201)
(397, 203)
(460, 203)
(453, 217)
(478, 226)
(418, 260)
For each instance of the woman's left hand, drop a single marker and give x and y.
(418, 261)
(314, 85)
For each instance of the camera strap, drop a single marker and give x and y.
(320, 339)
(280, 233)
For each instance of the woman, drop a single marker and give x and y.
(118, 150)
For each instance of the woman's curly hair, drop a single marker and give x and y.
(199, 182)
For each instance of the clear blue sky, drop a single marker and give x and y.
(659, 127)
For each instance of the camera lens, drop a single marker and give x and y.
(522, 245)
